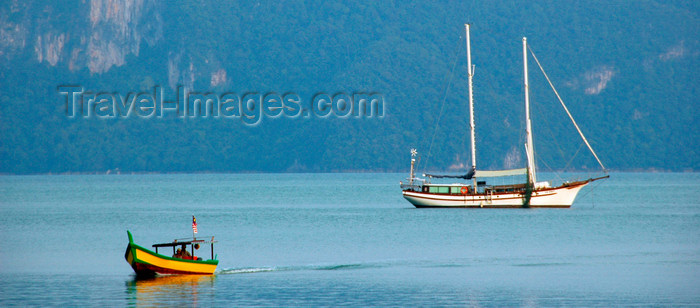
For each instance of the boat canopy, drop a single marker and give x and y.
(466, 176)
(185, 242)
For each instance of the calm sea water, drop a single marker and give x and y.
(347, 239)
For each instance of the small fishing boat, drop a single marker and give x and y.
(183, 262)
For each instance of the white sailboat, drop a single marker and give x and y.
(422, 193)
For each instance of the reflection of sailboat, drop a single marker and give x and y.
(181, 289)
(422, 193)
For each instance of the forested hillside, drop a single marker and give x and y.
(626, 69)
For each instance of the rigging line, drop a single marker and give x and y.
(543, 118)
(593, 187)
(574, 156)
(556, 174)
(442, 107)
(552, 170)
(541, 160)
(567, 109)
(547, 124)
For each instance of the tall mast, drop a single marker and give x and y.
(471, 100)
(528, 126)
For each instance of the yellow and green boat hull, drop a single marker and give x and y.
(148, 263)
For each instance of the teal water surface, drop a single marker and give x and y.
(347, 239)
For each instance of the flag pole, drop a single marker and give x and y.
(194, 227)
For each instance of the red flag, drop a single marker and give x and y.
(194, 224)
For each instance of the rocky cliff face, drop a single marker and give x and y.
(97, 34)
(117, 29)
(14, 31)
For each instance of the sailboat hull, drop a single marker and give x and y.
(422, 193)
(557, 197)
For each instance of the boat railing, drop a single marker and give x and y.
(410, 187)
(415, 184)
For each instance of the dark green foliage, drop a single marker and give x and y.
(644, 118)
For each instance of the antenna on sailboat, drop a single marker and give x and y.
(414, 152)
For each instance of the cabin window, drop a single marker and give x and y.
(439, 189)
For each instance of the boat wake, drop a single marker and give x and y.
(451, 263)
(311, 267)
(246, 270)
